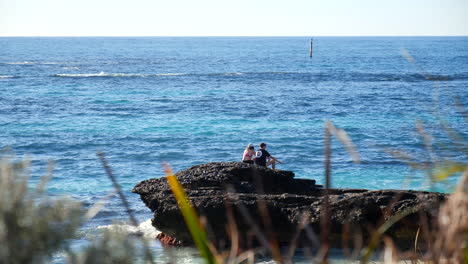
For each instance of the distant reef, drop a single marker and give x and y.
(292, 208)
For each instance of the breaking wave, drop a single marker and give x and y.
(144, 228)
(32, 62)
(103, 74)
(304, 76)
(21, 63)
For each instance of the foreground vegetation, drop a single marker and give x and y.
(34, 228)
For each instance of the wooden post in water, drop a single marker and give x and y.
(311, 48)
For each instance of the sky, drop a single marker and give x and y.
(234, 18)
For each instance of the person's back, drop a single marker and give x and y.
(264, 158)
(249, 154)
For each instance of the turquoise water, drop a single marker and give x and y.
(186, 101)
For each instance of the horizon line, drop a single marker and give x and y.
(214, 36)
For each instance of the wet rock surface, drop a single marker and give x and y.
(272, 201)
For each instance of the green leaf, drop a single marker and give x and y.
(191, 217)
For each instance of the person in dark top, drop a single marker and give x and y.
(264, 158)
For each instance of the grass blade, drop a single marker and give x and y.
(190, 216)
(446, 170)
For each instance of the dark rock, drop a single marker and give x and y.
(217, 188)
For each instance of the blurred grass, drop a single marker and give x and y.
(32, 226)
(35, 228)
(109, 247)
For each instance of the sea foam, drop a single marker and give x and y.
(144, 228)
(21, 63)
(103, 74)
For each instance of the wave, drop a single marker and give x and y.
(229, 73)
(297, 76)
(21, 63)
(144, 228)
(34, 62)
(6, 76)
(168, 74)
(103, 74)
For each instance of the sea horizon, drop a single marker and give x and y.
(232, 36)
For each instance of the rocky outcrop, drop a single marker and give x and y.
(272, 201)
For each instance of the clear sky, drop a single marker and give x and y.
(233, 18)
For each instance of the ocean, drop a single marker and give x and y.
(191, 100)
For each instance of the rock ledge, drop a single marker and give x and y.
(217, 188)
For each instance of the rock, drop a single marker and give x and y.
(167, 240)
(215, 189)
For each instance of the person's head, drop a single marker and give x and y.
(250, 147)
(263, 145)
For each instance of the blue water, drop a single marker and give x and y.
(186, 101)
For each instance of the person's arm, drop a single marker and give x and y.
(271, 157)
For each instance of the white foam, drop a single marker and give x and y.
(34, 62)
(6, 76)
(103, 74)
(145, 228)
(234, 73)
(21, 63)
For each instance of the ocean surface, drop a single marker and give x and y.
(186, 101)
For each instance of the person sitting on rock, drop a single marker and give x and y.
(263, 158)
(249, 154)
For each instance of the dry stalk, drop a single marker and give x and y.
(118, 189)
(451, 243)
